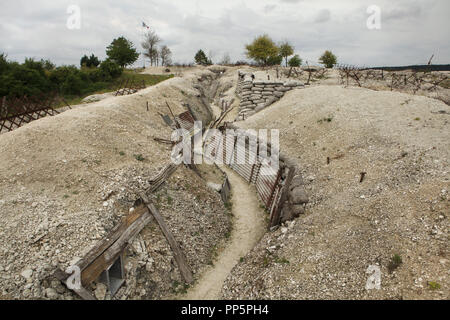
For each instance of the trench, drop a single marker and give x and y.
(248, 219)
(248, 228)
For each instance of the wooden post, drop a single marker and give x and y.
(276, 216)
(178, 254)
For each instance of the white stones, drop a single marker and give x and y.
(27, 274)
(100, 291)
(51, 293)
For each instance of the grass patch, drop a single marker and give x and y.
(395, 262)
(434, 285)
(139, 157)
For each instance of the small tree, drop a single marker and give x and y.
(201, 58)
(122, 51)
(150, 46)
(328, 59)
(286, 50)
(165, 55)
(226, 60)
(262, 49)
(295, 61)
(90, 62)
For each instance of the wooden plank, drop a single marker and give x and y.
(128, 230)
(101, 246)
(185, 271)
(276, 216)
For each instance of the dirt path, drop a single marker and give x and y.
(248, 228)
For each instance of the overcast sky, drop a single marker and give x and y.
(411, 30)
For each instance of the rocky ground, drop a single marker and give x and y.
(375, 164)
(67, 180)
(396, 218)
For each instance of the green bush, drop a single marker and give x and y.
(295, 61)
(111, 69)
(28, 78)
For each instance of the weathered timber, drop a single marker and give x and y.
(185, 271)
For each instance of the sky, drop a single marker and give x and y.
(410, 30)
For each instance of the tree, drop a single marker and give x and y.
(226, 60)
(275, 60)
(122, 51)
(295, 61)
(262, 49)
(90, 62)
(165, 55)
(150, 44)
(328, 59)
(286, 50)
(3, 62)
(201, 58)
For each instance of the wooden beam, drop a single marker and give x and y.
(185, 271)
(128, 230)
(276, 216)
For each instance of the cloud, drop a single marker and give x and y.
(323, 16)
(411, 29)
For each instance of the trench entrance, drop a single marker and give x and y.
(248, 228)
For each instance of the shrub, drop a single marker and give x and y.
(295, 61)
(111, 69)
(328, 59)
(395, 262)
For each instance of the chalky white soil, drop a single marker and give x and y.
(65, 181)
(402, 207)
